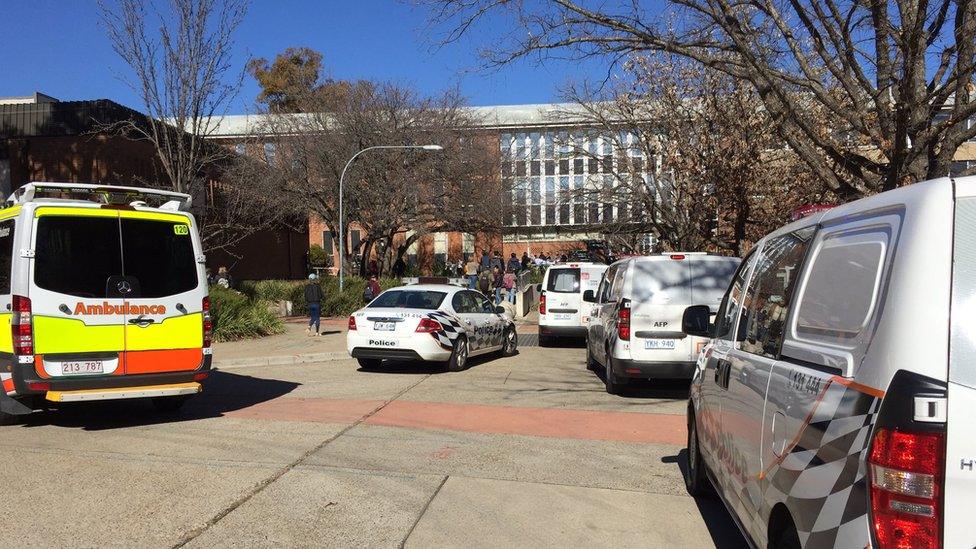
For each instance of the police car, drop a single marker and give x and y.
(834, 404)
(431, 322)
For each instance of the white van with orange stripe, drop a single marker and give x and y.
(103, 295)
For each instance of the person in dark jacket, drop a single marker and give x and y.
(526, 261)
(313, 297)
(498, 282)
(514, 265)
(485, 264)
(371, 290)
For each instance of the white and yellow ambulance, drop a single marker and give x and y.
(103, 295)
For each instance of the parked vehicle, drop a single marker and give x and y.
(635, 323)
(105, 297)
(562, 312)
(436, 322)
(833, 406)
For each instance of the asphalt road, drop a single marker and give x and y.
(521, 451)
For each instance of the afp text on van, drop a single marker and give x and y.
(102, 296)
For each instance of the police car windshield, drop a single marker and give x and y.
(409, 299)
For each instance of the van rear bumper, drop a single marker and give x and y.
(641, 369)
(562, 331)
(24, 375)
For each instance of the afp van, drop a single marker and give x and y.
(103, 295)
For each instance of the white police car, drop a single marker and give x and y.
(435, 322)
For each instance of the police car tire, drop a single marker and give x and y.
(369, 363)
(510, 343)
(786, 537)
(459, 356)
(696, 480)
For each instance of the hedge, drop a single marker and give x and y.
(238, 316)
(335, 303)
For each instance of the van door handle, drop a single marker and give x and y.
(141, 322)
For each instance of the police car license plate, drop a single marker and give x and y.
(384, 326)
(82, 367)
(656, 344)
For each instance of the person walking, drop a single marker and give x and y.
(497, 261)
(510, 284)
(526, 260)
(399, 267)
(313, 297)
(514, 265)
(471, 271)
(498, 282)
(372, 289)
(485, 261)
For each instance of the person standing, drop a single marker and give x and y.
(485, 261)
(498, 282)
(514, 265)
(526, 260)
(497, 261)
(223, 278)
(313, 297)
(510, 284)
(399, 267)
(372, 289)
(471, 271)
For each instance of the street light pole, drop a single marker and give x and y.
(342, 176)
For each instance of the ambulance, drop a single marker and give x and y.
(103, 295)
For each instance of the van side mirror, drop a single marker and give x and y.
(589, 296)
(696, 321)
(500, 310)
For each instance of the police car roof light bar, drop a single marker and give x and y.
(99, 194)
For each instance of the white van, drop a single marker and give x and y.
(562, 312)
(103, 295)
(834, 405)
(635, 324)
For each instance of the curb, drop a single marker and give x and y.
(280, 360)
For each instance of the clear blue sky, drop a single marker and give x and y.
(58, 47)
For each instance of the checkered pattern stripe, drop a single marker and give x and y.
(822, 479)
(451, 325)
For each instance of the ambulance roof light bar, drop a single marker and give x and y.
(101, 194)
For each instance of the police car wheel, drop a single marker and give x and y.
(696, 481)
(369, 363)
(510, 343)
(459, 356)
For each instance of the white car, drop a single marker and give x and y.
(562, 313)
(433, 322)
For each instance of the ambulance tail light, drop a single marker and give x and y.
(623, 320)
(906, 465)
(21, 326)
(207, 323)
(542, 303)
(428, 325)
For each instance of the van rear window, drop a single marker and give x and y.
(77, 255)
(563, 281)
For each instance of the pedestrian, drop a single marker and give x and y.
(498, 282)
(510, 286)
(224, 280)
(485, 261)
(399, 267)
(471, 271)
(371, 290)
(563, 258)
(497, 261)
(373, 268)
(313, 298)
(526, 261)
(514, 265)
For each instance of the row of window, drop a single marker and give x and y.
(572, 166)
(555, 144)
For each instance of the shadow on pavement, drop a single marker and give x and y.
(720, 526)
(413, 367)
(669, 389)
(223, 392)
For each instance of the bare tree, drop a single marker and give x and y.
(389, 193)
(892, 79)
(689, 154)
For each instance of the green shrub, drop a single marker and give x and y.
(336, 303)
(270, 290)
(237, 316)
(317, 256)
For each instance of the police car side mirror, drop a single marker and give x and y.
(589, 296)
(696, 321)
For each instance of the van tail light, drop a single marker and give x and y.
(623, 320)
(542, 303)
(677, 257)
(428, 325)
(906, 465)
(906, 479)
(352, 323)
(207, 323)
(21, 326)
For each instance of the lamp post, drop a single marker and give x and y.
(342, 176)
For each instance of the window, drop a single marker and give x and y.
(564, 166)
(771, 290)
(328, 247)
(6, 254)
(725, 319)
(408, 299)
(842, 286)
(603, 292)
(563, 280)
(593, 165)
(77, 255)
(270, 151)
(159, 255)
(578, 166)
(534, 167)
(465, 302)
(520, 168)
(550, 167)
